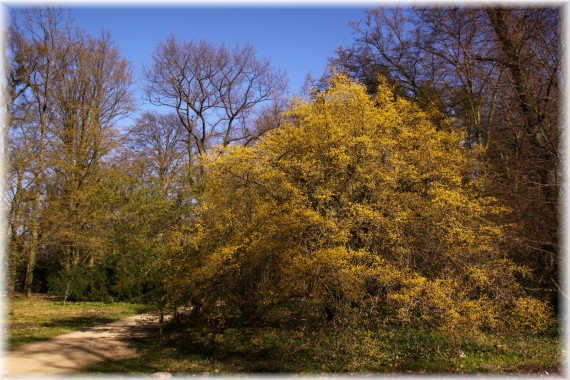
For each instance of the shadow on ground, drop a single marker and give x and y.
(190, 351)
(78, 323)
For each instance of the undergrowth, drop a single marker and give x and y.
(332, 348)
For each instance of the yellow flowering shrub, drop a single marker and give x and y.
(530, 314)
(361, 207)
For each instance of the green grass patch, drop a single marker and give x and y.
(257, 349)
(40, 318)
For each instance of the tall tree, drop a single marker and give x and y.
(525, 152)
(68, 90)
(528, 46)
(213, 90)
(41, 50)
(91, 96)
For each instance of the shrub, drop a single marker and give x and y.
(359, 205)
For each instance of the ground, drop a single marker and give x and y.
(106, 346)
(72, 352)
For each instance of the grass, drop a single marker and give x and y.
(40, 318)
(256, 349)
(286, 348)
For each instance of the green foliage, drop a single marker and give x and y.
(362, 207)
(81, 283)
(144, 233)
(107, 281)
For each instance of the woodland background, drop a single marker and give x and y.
(416, 183)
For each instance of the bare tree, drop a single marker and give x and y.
(268, 117)
(528, 46)
(454, 38)
(391, 43)
(213, 90)
(159, 143)
(386, 36)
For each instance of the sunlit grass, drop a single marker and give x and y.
(40, 318)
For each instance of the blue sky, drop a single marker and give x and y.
(296, 40)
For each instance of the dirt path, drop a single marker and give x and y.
(69, 353)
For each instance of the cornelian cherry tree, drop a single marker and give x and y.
(361, 210)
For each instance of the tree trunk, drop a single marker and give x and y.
(32, 255)
(532, 115)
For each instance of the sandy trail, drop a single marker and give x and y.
(69, 353)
